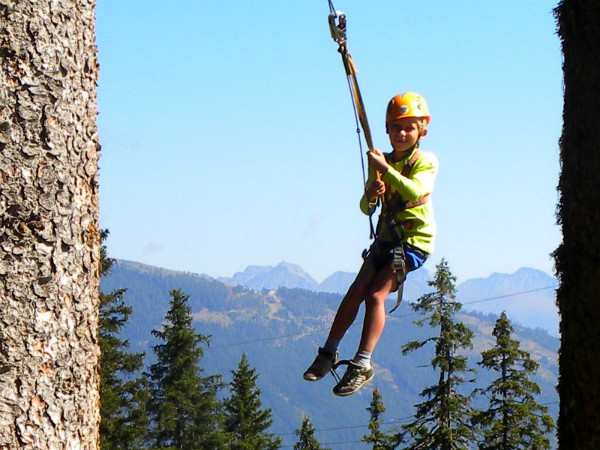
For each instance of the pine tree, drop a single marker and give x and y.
(123, 388)
(306, 437)
(442, 420)
(514, 419)
(377, 438)
(245, 422)
(184, 405)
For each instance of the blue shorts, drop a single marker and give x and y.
(415, 258)
(382, 253)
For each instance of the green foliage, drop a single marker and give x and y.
(123, 387)
(184, 405)
(377, 438)
(244, 421)
(442, 420)
(306, 437)
(514, 419)
(257, 319)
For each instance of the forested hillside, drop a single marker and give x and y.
(528, 295)
(280, 330)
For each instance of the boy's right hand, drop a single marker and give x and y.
(377, 161)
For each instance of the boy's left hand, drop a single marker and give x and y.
(377, 161)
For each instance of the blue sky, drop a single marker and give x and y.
(228, 136)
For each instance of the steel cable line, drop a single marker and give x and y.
(351, 427)
(400, 316)
(391, 422)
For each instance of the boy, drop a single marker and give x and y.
(403, 180)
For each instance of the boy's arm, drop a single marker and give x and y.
(421, 179)
(365, 206)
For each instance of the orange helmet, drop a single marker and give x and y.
(407, 104)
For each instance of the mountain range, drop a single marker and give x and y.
(527, 295)
(278, 316)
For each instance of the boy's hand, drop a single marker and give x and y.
(376, 189)
(377, 161)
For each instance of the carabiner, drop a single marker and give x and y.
(337, 30)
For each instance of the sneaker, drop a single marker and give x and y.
(355, 377)
(321, 366)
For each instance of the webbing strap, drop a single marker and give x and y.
(396, 204)
(399, 297)
(361, 113)
(338, 33)
(411, 162)
(351, 71)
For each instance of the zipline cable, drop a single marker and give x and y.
(349, 427)
(316, 330)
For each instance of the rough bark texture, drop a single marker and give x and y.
(49, 239)
(578, 257)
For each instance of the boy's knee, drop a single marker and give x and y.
(376, 299)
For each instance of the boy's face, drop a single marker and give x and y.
(404, 133)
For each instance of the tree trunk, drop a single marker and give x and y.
(49, 238)
(578, 256)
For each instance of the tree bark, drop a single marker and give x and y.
(49, 238)
(578, 257)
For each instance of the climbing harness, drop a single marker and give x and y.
(337, 27)
(393, 205)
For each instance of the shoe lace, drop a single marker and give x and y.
(352, 366)
(354, 375)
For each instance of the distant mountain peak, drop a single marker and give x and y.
(285, 274)
(528, 294)
(524, 278)
(289, 324)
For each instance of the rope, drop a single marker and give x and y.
(338, 34)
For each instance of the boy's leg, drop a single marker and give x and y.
(350, 304)
(360, 371)
(347, 311)
(384, 283)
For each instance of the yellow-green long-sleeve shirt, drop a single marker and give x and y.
(419, 222)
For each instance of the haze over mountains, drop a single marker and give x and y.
(282, 318)
(528, 295)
